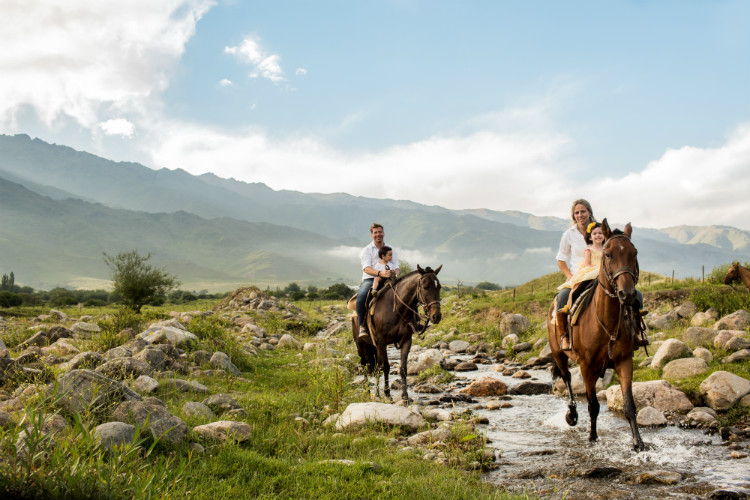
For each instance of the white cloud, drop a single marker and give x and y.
(224, 82)
(538, 250)
(345, 252)
(264, 65)
(88, 59)
(300, 71)
(119, 126)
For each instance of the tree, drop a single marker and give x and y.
(136, 281)
(487, 285)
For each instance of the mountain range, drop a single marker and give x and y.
(60, 209)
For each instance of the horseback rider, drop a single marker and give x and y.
(369, 258)
(572, 247)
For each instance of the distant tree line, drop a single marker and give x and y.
(338, 291)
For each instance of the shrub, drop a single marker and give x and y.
(9, 299)
(723, 298)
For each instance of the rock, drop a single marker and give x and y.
(578, 385)
(202, 357)
(427, 389)
(85, 330)
(458, 346)
(703, 353)
(439, 414)
(650, 417)
(58, 332)
(38, 339)
(738, 320)
(357, 414)
(725, 336)
(221, 403)
(669, 350)
(546, 355)
(521, 374)
(117, 352)
(662, 321)
(122, 368)
(431, 436)
(695, 336)
(156, 419)
(702, 416)
(510, 340)
(737, 343)
(659, 477)
(289, 342)
(87, 359)
(465, 366)
(484, 387)
(529, 388)
(6, 420)
(721, 390)
(221, 361)
(164, 333)
(145, 384)
(224, 430)
(701, 319)
(738, 356)
(451, 364)
(514, 324)
(185, 385)
(657, 393)
(87, 390)
(196, 409)
(425, 360)
(61, 316)
(679, 369)
(114, 434)
(687, 309)
(155, 358)
(523, 347)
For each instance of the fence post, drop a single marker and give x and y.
(673, 276)
(649, 279)
(703, 274)
(514, 294)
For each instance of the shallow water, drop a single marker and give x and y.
(540, 453)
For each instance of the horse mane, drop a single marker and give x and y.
(426, 270)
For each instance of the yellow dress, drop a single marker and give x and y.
(584, 272)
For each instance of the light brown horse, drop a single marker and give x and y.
(737, 273)
(393, 321)
(603, 334)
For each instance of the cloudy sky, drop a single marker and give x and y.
(642, 107)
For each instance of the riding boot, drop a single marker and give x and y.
(640, 339)
(562, 323)
(363, 335)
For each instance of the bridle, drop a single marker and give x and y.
(422, 301)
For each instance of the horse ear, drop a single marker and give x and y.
(628, 229)
(421, 271)
(438, 269)
(605, 229)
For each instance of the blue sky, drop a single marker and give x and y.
(641, 107)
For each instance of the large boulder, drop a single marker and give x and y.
(738, 320)
(87, 359)
(86, 390)
(679, 369)
(687, 309)
(721, 390)
(224, 430)
(122, 368)
(724, 337)
(698, 336)
(737, 343)
(702, 318)
(154, 357)
(426, 359)
(662, 321)
(484, 387)
(153, 417)
(166, 333)
(514, 324)
(289, 342)
(657, 393)
(669, 350)
(357, 414)
(458, 346)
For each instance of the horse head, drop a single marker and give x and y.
(733, 274)
(428, 292)
(620, 263)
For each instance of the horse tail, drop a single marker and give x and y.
(556, 372)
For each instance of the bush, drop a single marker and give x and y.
(9, 299)
(137, 281)
(724, 299)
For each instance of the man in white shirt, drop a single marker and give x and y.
(368, 257)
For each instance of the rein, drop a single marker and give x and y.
(611, 277)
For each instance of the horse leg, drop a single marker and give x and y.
(624, 371)
(385, 366)
(590, 378)
(405, 348)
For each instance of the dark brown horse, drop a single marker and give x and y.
(603, 334)
(738, 273)
(394, 320)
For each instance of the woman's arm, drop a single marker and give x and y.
(564, 268)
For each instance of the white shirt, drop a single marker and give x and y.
(369, 257)
(572, 246)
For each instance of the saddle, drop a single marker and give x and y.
(581, 298)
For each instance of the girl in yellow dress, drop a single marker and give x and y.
(588, 269)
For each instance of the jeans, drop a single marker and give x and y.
(562, 298)
(361, 296)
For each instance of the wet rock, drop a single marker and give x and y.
(450, 364)
(578, 385)
(721, 390)
(113, 434)
(602, 473)
(465, 366)
(428, 389)
(484, 387)
(669, 350)
(521, 374)
(425, 360)
(679, 369)
(362, 413)
(224, 430)
(529, 388)
(738, 320)
(456, 398)
(651, 417)
(696, 336)
(659, 477)
(439, 414)
(657, 393)
(727, 495)
(458, 346)
(702, 416)
(156, 419)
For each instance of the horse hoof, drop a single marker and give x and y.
(639, 447)
(572, 420)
